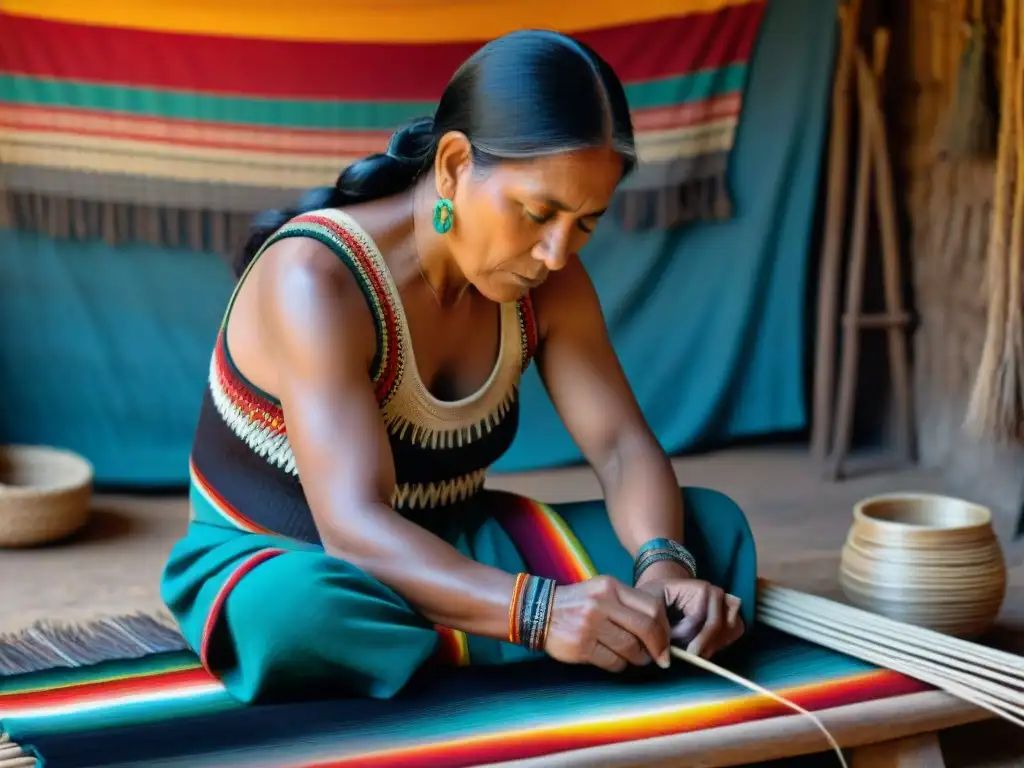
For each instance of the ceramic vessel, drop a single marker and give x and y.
(929, 560)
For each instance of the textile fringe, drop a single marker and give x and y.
(49, 645)
(224, 232)
(704, 199)
(68, 218)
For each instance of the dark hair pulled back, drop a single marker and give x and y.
(523, 95)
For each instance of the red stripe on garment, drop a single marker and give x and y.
(222, 505)
(253, 406)
(348, 71)
(529, 329)
(390, 357)
(546, 549)
(451, 648)
(222, 594)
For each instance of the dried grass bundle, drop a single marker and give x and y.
(971, 129)
(996, 407)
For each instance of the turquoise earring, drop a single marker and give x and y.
(444, 216)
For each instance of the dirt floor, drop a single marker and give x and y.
(799, 522)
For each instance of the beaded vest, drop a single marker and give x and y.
(442, 449)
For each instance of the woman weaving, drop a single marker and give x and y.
(388, 323)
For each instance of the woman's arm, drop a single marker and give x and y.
(590, 391)
(316, 326)
(586, 383)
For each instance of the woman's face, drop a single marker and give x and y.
(518, 221)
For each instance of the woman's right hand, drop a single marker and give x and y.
(603, 622)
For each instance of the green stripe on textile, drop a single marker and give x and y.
(351, 115)
(323, 115)
(686, 89)
(146, 699)
(161, 707)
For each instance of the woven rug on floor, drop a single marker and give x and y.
(163, 709)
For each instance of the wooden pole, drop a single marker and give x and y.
(830, 267)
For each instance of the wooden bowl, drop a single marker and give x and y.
(44, 494)
(928, 560)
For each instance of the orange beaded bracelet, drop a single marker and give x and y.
(513, 608)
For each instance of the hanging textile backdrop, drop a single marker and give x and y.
(171, 122)
(105, 349)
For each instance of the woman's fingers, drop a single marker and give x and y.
(692, 600)
(734, 624)
(733, 604)
(624, 644)
(607, 659)
(704, 643)
(620, 625)
(730, 628)
(644, 616)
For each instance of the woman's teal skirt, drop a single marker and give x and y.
(271, 616)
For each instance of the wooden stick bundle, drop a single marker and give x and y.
(985, 677)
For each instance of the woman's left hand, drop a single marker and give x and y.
(704, 617)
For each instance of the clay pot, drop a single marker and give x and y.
(924, 559)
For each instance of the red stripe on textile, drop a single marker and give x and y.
(685, 115)
(523, 744)
(350, 71)
(126, 133)
(105, 690)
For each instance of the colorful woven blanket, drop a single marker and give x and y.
(142, 121)
(165, 710)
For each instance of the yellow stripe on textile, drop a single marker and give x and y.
(359, 21)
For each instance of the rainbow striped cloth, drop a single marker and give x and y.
(124, 119)
(165, 710)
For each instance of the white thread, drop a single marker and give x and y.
(709, 666)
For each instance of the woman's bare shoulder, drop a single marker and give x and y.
(310, 302)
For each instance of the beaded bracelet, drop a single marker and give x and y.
(660, 549)
(529, 612)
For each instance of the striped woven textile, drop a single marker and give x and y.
(127, 120)
(165, 710)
